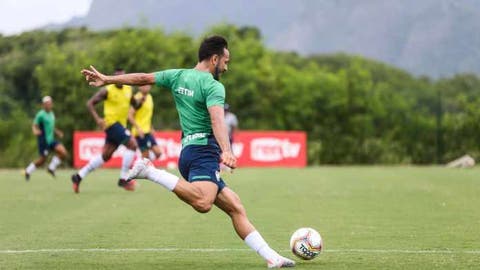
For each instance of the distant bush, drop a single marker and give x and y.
(355, 110)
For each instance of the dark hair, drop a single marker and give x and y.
(210, 46)
(119, 69)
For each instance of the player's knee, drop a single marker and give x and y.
(62, 154)
(132, 145)
(106, 156)
(156, 151)
(202, 206)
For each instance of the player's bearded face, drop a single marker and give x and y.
(217, 72)
(221, 65)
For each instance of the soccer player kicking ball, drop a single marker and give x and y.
(117, 99)
(44, 128)
(199, 98)
(140, 116)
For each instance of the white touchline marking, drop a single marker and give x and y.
(424, 251)
(122, 250)
(215, 250)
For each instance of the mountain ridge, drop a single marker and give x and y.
(429, 37)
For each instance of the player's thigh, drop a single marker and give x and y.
(108, 150)
(229, 201)
(208, 189)
(60, 150)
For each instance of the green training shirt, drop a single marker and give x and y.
(194, 92)
(46, 122)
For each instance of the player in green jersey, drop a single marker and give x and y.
(199, 98)
(44, 128)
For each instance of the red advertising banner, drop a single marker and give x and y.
(270, 148)
(252, 148)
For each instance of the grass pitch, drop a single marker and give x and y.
(369, 217)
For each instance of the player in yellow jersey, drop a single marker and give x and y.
(117, 99)
(140, 116)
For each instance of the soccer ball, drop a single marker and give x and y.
(306, 243)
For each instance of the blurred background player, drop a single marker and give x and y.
(44, 128)
(117, 99)
(231, 121)
(140, 116)
(232, 126)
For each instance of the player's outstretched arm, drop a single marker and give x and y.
(95, 78)
(217, 117)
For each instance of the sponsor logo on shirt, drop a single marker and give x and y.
(194, 136)
(185, 91)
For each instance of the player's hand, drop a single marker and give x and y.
(229, 159)
(101, 123)
(141, 134)
(37, 132)
(93, 77)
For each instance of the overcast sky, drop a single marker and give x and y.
(17, 16)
